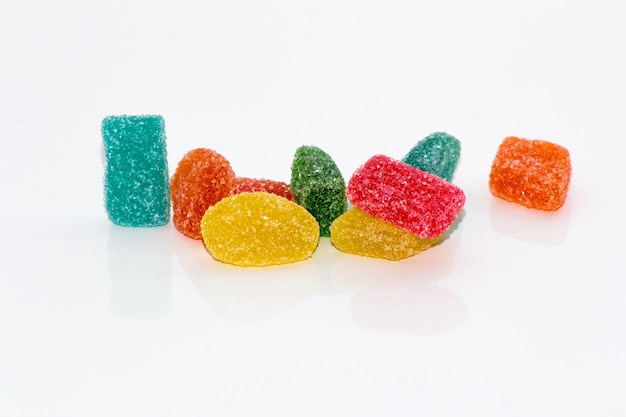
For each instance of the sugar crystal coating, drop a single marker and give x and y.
(533, 173)
(136, 180)
(361, 234)
(318, 186)
(202, 178)
(414, 200)
(438, 154)
(244, 184)
(259, 229)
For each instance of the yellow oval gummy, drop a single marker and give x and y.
(259, 229)
(361, 234)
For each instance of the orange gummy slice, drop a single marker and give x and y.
(203, 177)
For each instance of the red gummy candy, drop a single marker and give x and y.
(414, 200)
(203, 177)
(244, 184)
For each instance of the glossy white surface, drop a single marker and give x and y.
(517, 313)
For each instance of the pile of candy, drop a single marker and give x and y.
(390, 209)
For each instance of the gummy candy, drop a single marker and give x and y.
(438, 154)
(533, 173)
(361, 234)
(202, 178)
(318, 186)
(259, 229)
(244, 184)
(414, 200)
(136, 181)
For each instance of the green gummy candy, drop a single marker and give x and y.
(437, 154)
(136, 180)
(318, 186)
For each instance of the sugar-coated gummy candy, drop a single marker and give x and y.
(358, 233)
(136, 180)
(244, 184)
(318, 186)
(259, 229)
(438, 154)
(416, 201)
(533, 173)
(202, 178)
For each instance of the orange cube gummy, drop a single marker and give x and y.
(533, 173)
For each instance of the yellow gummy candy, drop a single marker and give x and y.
(259, 229)
(361, 234)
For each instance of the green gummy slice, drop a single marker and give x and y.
(136, 180)
(437, 154)
(318, 186)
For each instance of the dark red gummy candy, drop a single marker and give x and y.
(414, 200)
(249, 185)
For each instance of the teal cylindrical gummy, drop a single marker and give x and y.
(437, 154)
(318, 186)
(136, 180)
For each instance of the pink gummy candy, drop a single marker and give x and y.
(414, 200)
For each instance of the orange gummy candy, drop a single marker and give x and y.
(203, 177)
(533, 173)
(244, 184)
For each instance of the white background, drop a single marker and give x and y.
(517, 313)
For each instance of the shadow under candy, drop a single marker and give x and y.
(399, 296)
(408, 307)
(246, 293)
(530, 225)
(140, 267)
